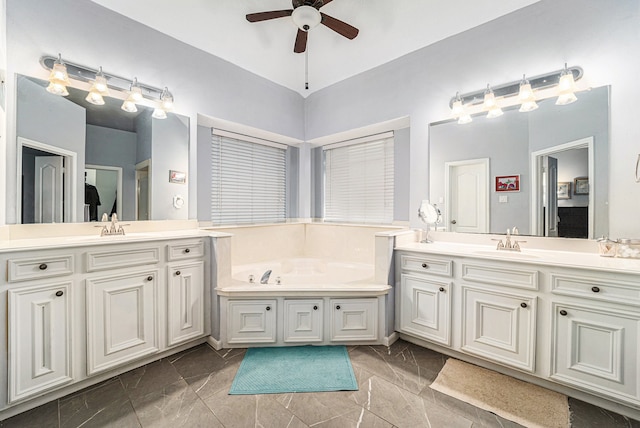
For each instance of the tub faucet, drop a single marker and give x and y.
(265, 277)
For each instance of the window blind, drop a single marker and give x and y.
(248, 182)
(359, 182)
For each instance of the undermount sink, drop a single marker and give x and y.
(503, 254)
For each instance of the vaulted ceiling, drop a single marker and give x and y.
(388, 30)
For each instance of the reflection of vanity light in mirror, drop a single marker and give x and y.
(525, 92)
(429, 214)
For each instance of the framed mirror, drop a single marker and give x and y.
(78, 161)
(493, 174)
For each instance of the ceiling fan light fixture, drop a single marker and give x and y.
(306, 17)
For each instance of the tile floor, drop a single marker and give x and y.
(189, 389)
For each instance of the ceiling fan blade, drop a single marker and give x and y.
(339, 27)
(263, 16)
(301, 41)
(325, 2)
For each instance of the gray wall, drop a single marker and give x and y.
(51, 120)
(143, 132)
(572, 164)
(597, 35)
(201, 83)
(113, 147)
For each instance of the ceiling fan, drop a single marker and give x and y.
(306, 15)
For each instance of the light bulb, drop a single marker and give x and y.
(166, 99)
(464, 119)
(57, 89)
(528, 106)
(129, 106)
(495, 112)
(95, 97)
(159, 113)
(564, 99)
(58, 78)
(489, 99)
(100, 84)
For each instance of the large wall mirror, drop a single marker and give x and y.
(544, 172)
(77, 161)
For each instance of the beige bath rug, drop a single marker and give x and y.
(527, 404)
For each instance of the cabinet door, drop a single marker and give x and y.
(499, 326)
(251, 321)
(425, 308)
(303, 320)
(185, 302)
(596, 349)
(354, 319)
(121, 319)
(39, 339)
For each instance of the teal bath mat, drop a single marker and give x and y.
(294, 369)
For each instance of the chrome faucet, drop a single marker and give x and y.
(265, 277)
(114, 229)
(508, 245)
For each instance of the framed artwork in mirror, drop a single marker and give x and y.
(508, 183)
(564, 190)
(581, 186)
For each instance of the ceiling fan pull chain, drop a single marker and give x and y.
(306, 68)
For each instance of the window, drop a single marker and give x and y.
(248, 181)
(359, 181)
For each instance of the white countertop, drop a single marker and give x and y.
(96, 239)
(529, 256)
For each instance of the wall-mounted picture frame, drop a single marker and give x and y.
(564, 190)
(581, 186)
(177, 177)
(508, 183)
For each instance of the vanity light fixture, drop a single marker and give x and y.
(566, 88)
(459, 112)
(526, 96)
(101, 82)
(159, 113)
(58, 78)
(491, 104)
(524, 92)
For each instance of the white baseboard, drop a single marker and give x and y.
(216, 344)
(391, 339)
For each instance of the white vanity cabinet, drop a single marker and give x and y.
(354, 320)
(424, 297)
(40, 338)
(303, 320)
(122, 318)
(567, 321)
(82, 311)
(596, 333)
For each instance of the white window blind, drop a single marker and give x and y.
(248, 182)
(359, 182)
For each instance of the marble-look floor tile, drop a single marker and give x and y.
(174, 405)
(587, 415)
(230, 353)
(196, 364)
(149, 378)
(403, 408)
(103, 405)
(409, 376)
(357, 419)
(240, 411)
(45, 416)
(218, 380)
(314, 408)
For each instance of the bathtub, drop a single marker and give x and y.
(304, 276)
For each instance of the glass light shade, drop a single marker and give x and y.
(101, 85)
(465, 118)
(495, 112)
(95, 97)
(528, 106)
(59, 73)
(566, 98)
(489, 100)
(307, 16)
(159, 113)
(129, 106)
(457, 109)
(566, 82)
(166, 99)
(525, 93)
(57, 89)
(135, 94)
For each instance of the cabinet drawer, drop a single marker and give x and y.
(251, 321)
(354, 320)
(39, 267)
(605, 290)
(121, 258)
(499, 275)
(429, 265)
(185, 250)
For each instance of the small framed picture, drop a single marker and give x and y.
(564, 190)
(508, 183)
(177, 177)
(581, 186)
